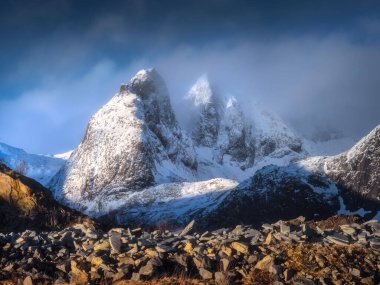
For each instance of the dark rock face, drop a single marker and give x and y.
(207, 127)
(277, 193)
(26, 204)
(240, 143)
(358, 170)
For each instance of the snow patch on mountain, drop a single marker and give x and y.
(65, 155)
(170, 201)
(39, 167)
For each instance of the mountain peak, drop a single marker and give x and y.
(201, 92)
(145, 74)
(145, 82)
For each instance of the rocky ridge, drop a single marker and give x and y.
(342, 249)
(358, 169)
(24, 203)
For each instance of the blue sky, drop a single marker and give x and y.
(315, 63)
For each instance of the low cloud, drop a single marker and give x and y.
(313, 83)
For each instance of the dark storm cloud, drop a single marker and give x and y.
(315, 63)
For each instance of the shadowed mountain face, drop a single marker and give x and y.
(26, 204)
(315, 188)
(358, 170)
(277, 193)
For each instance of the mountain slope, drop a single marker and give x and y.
(358, 169)
(26, 204)
(39, 167)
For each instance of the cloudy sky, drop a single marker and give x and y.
(315, 63)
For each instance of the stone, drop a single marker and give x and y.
(252, 233)
(338, 239)
(221, 277)
(268, 239)
(146, 243)
(118, 276)
(375, 243)
(64, 266)
(97, 261)
(188, 228)
(164, 248)
(87, 245)
(115, 241)
(225, 264)
(127, 260)
(238, 230)
(155, 261)
(240, 247)
(135, 276)
(78, 274)
(252, 259)
(267, 227)
(306, 230)
(151, 252)
(181, 259)
(303, 281)
(147, 270)
(284, 229)
(136, 231)
(27, 281)
(320, 260)
(202, 262)
(188, 247)
(105, 245)
(355, 272)
(348, 229)
(320, 231)
(288, 274)
(275, 269)
(226, 250)
(205, 274)
(265, 263)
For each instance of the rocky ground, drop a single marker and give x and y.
(341, 250)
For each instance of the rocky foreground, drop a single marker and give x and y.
(341, 250)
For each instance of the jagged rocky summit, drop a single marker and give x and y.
(134, 143)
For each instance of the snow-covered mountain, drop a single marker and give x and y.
(134, 142)
(131, 143)
(233, 144)
(137, 164)
(39, 167)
